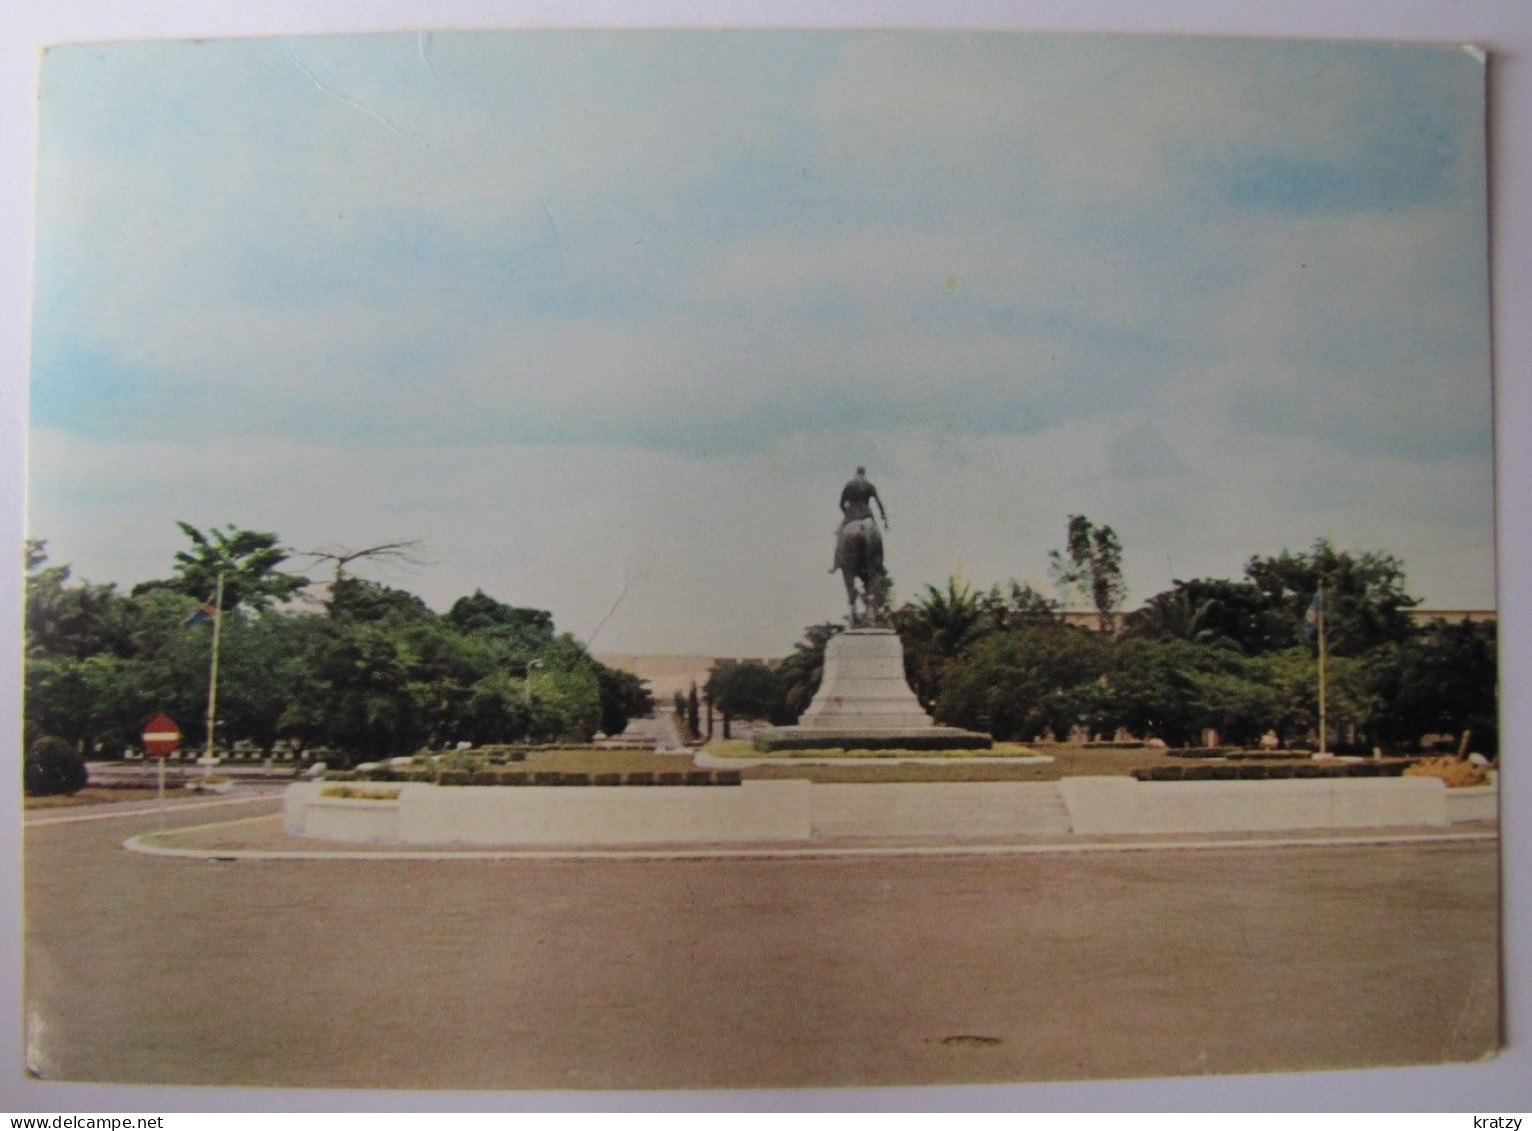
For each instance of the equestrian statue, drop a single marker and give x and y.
(859, 550)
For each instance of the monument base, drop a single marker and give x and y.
(864, 703)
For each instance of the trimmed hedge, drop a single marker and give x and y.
(53, 768)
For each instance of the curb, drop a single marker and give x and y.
(143, 843)
(149, 809)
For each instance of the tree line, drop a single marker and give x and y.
(1238, 657)
(369, 672)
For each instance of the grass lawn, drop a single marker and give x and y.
(737, 748)
(1068, 761)
(93, 795)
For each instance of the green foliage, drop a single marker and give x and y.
(359, 601)
(936, 629)
(517, 631)
(799, 674)
(376, 673)
(1440, 681)
(566, 694)
(248, 560)
(1366, 601)
(52, 767)
(624, 696)
(745, 689)
(1213, 612)
(1019, 684)
(78, 620)
(1091, 565)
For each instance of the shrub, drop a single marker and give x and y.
(1456, 772)
(359, 793)
(606, 779)
(641, 777)
(459, 761)
(728, 777)
(53, 768)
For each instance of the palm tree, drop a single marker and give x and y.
(937, 627)
(1177, 614)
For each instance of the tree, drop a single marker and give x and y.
(936, 629)
(1213, 611)
(343, 557)
(799, 674)
(1021, 683)
(1023, 606)
(519, 631)
(1440, 681)
(1091, 565)
(266, 662)
(624, 697)
(51, 767)
(747, 689)
(75, 619)
(1366, 601)
(248, 561)
(359, 601)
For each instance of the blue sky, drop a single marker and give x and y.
(601, 316)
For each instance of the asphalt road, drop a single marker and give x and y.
(748, 972)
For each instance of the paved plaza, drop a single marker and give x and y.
(749, 972)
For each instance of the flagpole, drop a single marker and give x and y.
(212, 684)
(1323, 727)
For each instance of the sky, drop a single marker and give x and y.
(605, 320)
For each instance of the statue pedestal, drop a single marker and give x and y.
(863, 702)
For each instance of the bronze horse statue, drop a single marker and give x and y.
(859, 550)
(859, 557)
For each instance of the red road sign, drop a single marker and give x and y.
(161, 736)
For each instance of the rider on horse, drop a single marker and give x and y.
(856, 498)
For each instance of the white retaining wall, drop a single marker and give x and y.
(775, 811)
(1473, 803)
(976, 809)
(555, 815)
(1122, 805)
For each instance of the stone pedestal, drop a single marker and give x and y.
(863, 702)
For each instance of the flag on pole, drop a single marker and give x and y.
(1311, 618)
(205, 612)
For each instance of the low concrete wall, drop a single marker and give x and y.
(548, 815)
(1473, 803)
(938, 809)
(336, 818)
(1101, 805)
(774, 811)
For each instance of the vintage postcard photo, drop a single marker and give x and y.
(758, 559)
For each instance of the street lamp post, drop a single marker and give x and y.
(530, 665)
(208, 757)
